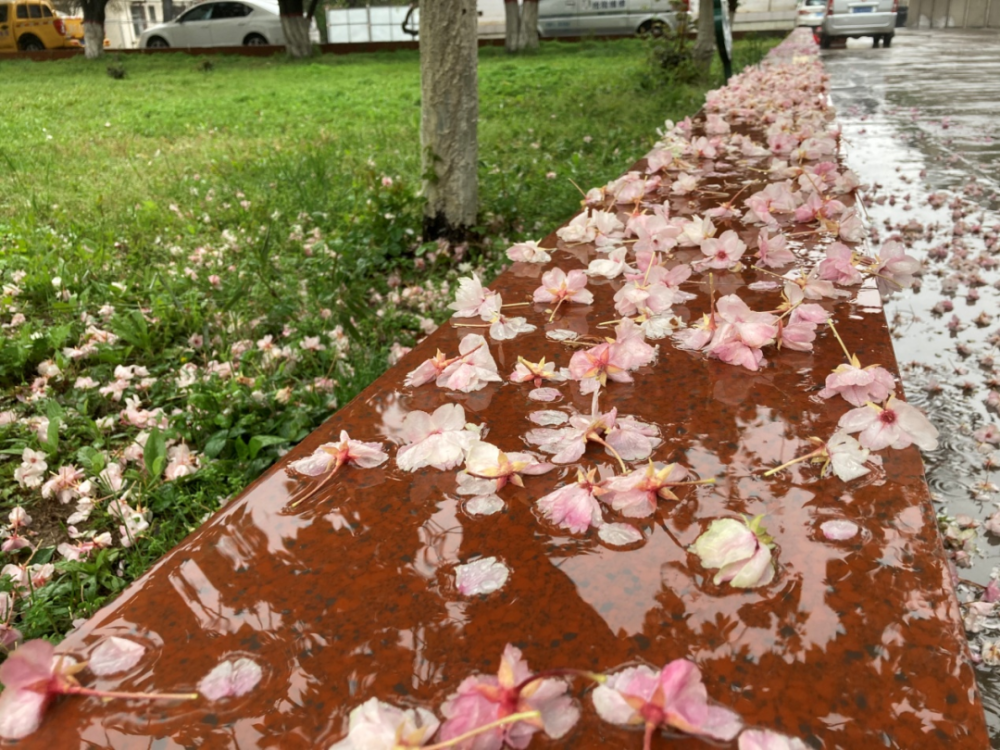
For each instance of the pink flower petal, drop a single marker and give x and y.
(230, 678)
(483, 576)
(548, 417)
(839, 529)
(484, 505)
(619, 534)
(545, 394)
(115, 655)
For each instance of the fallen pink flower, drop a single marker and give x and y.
(440, 440)
(895, 265)
(509, 709)
(486, 461)
(859, 385)
(838, 266)
(527, 252)
(897, 425)
(723, 252)
(471, 298)
(329, 457)
(772, 251)
(375, 725)
(473, 369)
(574, 507)
(559, 286)
(637, 494)
(673, 698)
(740, 551)
(33, 675)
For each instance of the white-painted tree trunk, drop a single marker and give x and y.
(93, 39)
(448, 116)
(704, 48)
(529, 25)
(296, 29)
(512, 25)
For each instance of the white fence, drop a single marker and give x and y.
(372, 24)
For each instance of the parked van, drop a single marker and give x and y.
(603, 17)
(30, 25)
(858, 18)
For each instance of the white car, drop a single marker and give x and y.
(604, 17)
(219, 24)
(857, 18)
(810, 12)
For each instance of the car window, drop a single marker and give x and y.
(46, 13)
(3, 14)
(22, 11)
(230, 10)
(34, 11)
(814, 3)
(197, 13)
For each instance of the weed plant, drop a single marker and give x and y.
(199, 264)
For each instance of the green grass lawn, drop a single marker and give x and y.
(197, 266)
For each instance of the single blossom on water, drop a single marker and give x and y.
(375, 725)
(740, 551)
(329, 457)
(895, 425)
(674, 698)
(509, 709)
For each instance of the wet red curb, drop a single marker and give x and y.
(350, 595)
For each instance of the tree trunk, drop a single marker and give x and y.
(296, 30)
(529, 25)
(704, 48)
(93, 27)
(512, 25)
(448, 116)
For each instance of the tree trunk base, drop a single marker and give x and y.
(437, 227)
(93, 39)
(297, 41)
(529, 25)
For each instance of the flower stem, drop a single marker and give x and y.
(596, 439)
(77, 690)
(555, 309)
(647, 738)
(512, 719)
(843, 346)
(800, 459)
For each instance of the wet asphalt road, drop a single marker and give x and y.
(921, 123)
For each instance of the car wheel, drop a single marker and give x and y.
(887, 40)
(824, 41)
(157, 42)
(875, 41)
(31, 44)
(652, 28)
(255, 40)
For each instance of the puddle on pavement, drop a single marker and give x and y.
(921, 121)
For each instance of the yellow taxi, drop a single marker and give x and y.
(30, 25)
